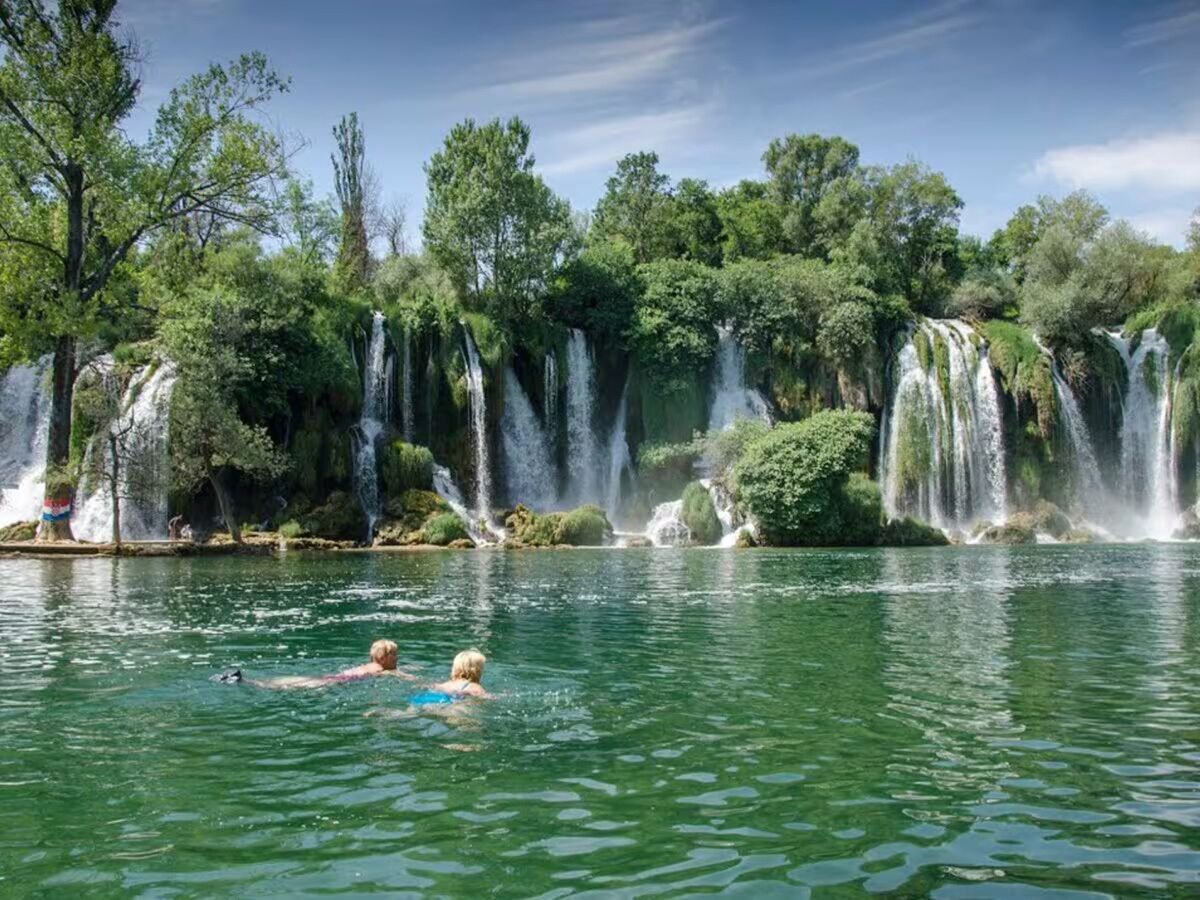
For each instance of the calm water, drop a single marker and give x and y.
(975, 722)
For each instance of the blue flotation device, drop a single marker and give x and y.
(431, 698)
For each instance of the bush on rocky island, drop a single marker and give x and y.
(700, 515)
(586, 526)
(793, 478)
(445, 529)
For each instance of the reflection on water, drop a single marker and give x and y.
(972, 722)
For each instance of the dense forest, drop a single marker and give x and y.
(818, 351)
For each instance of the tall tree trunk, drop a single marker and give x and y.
(223, 501)
(60, 490)
(59, 493)
(114, 478)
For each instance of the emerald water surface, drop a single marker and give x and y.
(974, 722)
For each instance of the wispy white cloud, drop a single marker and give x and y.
(600, 56)
(600, 144)
(1180, 24)
(929, 28)
(1169, 161)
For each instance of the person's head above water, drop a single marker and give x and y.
(384, 653)
(468, 665)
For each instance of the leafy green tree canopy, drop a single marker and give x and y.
(492, 223)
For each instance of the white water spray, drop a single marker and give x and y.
(143, 435)
(732, 400)
(477, 403)
(377, 387)
(24, 429)
(528, 472)
(583, 451)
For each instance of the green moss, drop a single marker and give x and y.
(1025, 372)
(406, 467)
(700, 515)
(1150, 374)
(18, 531)
(914, 451)
(924, 351)
(672, 417)
(443, 529)
(291, 529)
(941, 361)
(338, 518)
(586, 526)
(490, 339)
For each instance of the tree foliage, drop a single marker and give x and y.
(793, 478)
(350, 180)
(492, 223)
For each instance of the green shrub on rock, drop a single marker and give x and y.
(18, 531)
(444, 529)
(586, 526)
(406, 467)
(909, 532)
(860, 507)
(339, 518)
(700, 515)
(792, 478)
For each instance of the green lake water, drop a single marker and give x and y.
(957, 723)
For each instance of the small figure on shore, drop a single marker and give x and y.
(383, 657)
(466, 673)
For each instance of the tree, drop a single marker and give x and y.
(492, 223)
(393, 224)
(751, 224)
(209, 332)
(310, 226)
(351, 180)
(598, 290)
(693, 225)
(801, 169)
(77, 195)
(794, 478)
(909, 241)
(635, 207)
(1078, 216)
(671, 331)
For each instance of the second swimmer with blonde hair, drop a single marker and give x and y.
(466, 673)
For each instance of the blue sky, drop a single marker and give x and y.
(1010, 98)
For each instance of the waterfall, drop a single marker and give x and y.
(943, 453)
(24, 429)
(478, 411)
(666, 528)
(732, 400)
(619, 460)
(529, 476)
(550, 396)
(1148, 485)
(1090, 494)
(407, 412)
(142, 429)
(444, 486)
(583, 451)
(377, 387)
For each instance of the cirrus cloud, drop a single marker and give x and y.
(1169, 161)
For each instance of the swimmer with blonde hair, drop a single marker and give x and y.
(383, 656)
(466, 673)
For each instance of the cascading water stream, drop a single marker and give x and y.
(477, 403)
(732, 400)
(529, 476)
(943, 453)
(24, 427)
(1148, 483)
(408, 411)
(142, 431)
(619, 460)
(583, 450)
(1090, 494)
(550, 396)
(377, 384)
